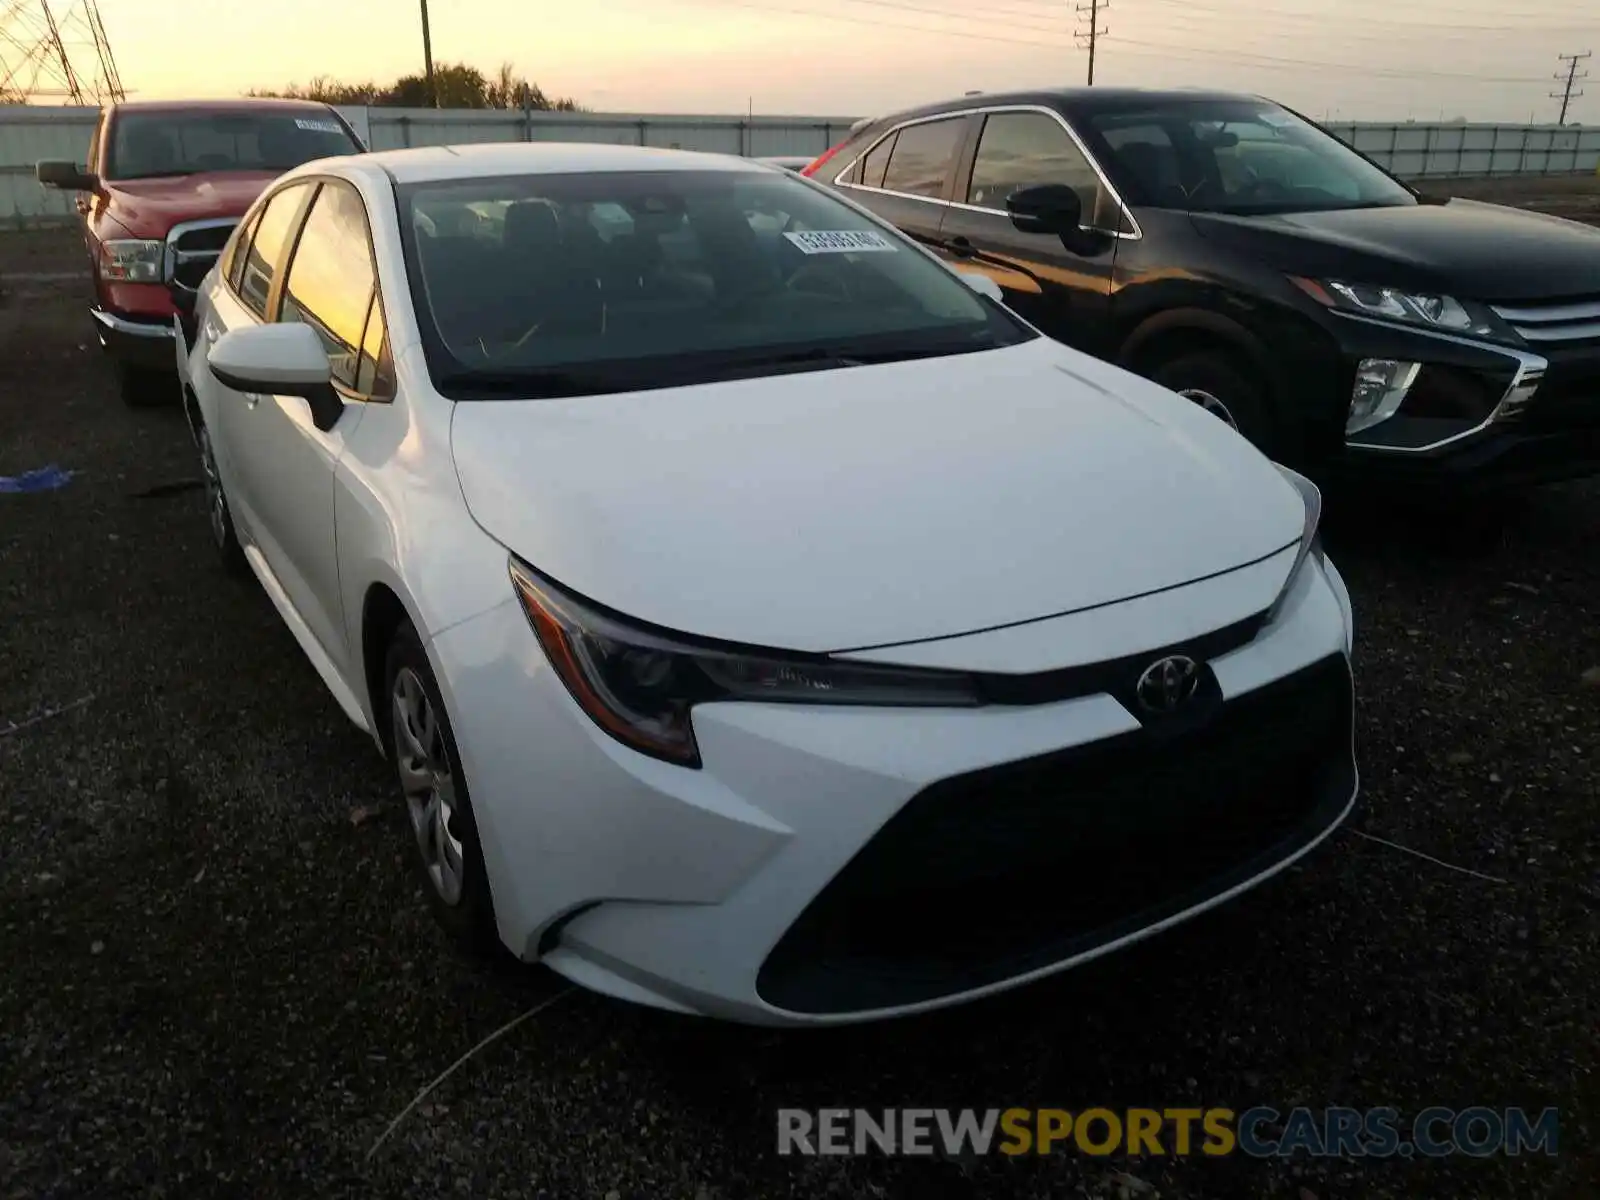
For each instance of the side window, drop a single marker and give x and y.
(872, 166)
(1146, 153)
(1018, 150)
(331, 276)
(92, 163)
(265, 256)
(375, 370)
(923, 156)
(233, 256)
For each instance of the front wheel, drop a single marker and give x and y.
(223, 536)
(1224, 390)
(438, 809)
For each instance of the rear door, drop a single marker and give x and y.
(1065, 292)
(908, 175)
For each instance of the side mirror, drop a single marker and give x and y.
(983, 285)
(279, 360)
(1047, 208)
(68, 176)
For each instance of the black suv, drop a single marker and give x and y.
(1247, 259)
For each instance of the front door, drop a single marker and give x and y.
(1065, 291)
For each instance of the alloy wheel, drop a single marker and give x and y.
(428, 783)
(216, 500)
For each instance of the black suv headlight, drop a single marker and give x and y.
(1445, 314)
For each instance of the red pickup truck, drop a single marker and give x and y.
(165, 184)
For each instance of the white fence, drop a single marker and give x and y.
(1415, 151)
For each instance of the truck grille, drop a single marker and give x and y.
(991, 875)
(192, 249)
(1568, 321)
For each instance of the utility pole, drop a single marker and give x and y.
(427, 55)
(1090, 36)
(1566, 94)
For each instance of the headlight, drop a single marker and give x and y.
(1444, 313)
(132, 260)
(1310, 544)
(639, 685)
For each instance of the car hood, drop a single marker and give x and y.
(1463, 247)
(151, 207)
(874, 505)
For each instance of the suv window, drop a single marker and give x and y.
(266, 247)
(876, 162)
(330, 282)
(922, 157)
(1022, 149)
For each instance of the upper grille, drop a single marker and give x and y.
(191, 252)
(1567, 321)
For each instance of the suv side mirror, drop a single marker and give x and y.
(1047, 208)
(278, 360)
(68, 176)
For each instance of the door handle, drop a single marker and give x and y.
(960, 247)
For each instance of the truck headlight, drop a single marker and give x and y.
(132, 260)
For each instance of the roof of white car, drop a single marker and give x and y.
(427, 163)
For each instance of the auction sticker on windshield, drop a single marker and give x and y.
(839, 241)
(317, 126)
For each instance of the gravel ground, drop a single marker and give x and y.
(217, 976)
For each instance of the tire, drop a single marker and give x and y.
(143, 388)
(439, 823)
(1221, 387)
(223, 536)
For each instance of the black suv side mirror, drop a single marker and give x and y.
(68, 176)
(1047, 208)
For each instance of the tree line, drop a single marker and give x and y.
(455, 85)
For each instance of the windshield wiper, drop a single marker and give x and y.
(527, 385)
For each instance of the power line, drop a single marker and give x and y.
(1094, 8)
(834, 16)
(1567, 93)
(1353, 68)
(1317, 19)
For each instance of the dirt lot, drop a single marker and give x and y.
(218, 979)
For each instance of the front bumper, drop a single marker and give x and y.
(729, 891)
(1480, 415)
(138, 341)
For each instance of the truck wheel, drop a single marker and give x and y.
(1224, 390)
(142, 388)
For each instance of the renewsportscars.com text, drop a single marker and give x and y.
(1259, 1132)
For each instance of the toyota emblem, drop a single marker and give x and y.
(1167, 684)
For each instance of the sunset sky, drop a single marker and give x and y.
(1355, 59)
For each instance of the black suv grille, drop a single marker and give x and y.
(990, 875)
(1554, 323)
(194, 251)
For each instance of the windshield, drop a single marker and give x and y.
(557, 285)
(1237, 157)
(150, 145)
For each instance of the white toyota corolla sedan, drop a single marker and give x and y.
(760, 619)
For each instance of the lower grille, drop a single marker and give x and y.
(991, 875)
